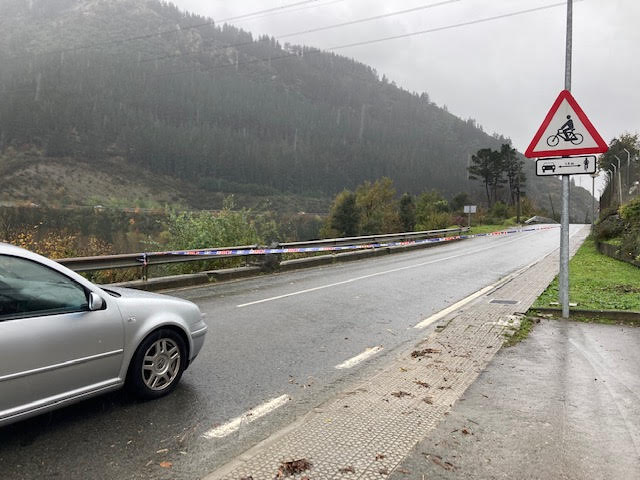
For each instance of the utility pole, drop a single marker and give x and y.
(619, 181)
(628, 164)
(612, 182)
(563, 278)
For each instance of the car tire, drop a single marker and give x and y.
(157, 365)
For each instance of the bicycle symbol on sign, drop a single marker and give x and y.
(567, 133)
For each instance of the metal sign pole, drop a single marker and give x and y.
(593, 200)
(563, 280)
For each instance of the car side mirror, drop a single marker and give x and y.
(96, 302)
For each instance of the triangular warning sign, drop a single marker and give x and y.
(566, 130)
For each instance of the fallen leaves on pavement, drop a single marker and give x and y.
(422, 353)
(293, 467)
(422, 384)
(400, 394)
(166, 464)
(348, 469)
(437, 459)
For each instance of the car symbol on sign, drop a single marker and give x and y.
(548, 166)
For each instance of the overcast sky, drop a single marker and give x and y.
(504, 73)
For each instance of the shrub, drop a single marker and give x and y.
(610, 226)
(434, 221)
(499, 211)
(198, 230)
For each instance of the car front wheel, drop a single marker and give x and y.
(157, 365)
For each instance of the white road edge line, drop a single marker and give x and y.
(352, 362)
(364, 277)
(442, 313)
(248, 417)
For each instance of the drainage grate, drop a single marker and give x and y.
(505, 302)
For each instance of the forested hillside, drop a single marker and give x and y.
(216, 108)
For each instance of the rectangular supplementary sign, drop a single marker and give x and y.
(566, 165)
(470, 209)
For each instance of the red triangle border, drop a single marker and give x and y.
(566, 95)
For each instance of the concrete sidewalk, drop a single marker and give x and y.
(563, 404)
(366, 433)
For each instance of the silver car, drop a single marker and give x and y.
(64, 339)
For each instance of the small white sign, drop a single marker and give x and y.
(566, 166)
(470, 209)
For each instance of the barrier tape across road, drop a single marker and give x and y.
(267, 251)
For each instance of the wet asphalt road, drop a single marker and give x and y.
(288, 345)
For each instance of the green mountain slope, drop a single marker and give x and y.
(220, 110)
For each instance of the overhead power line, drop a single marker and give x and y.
(368, 19)
(337, 25)
(268, 10)
(449, 27)
(378, 40)
(288, 11)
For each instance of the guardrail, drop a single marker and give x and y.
(146, 259)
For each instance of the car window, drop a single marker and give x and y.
(28, 288)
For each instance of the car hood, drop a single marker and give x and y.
(140, 294)
(145, 304)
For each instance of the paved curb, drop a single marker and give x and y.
(367, 432)
(619, 315)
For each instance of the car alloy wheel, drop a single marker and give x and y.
(157, 365)
(161, 364)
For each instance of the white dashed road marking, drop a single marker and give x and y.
(352, 362)
(248, 417)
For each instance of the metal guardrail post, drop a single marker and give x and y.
(145, 267)
(271, 261)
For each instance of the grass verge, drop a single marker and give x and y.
(597, 282)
